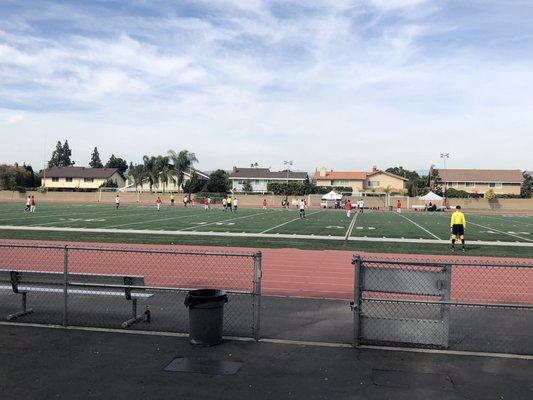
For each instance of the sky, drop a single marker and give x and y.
(344, 84)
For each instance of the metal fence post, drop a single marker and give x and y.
(256, 323)
(358, 284)
(65, 286)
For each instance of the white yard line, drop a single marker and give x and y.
(251, 235)
(286, 223)
(497, 230)
(421, 227)
(152, 220)
(350, 227)
(224, 220)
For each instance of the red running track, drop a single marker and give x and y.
(286, 272)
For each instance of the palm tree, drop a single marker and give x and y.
(181, 162)
(163, 170)
(138, 174)
(150, 170)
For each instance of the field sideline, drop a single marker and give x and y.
(413, 232)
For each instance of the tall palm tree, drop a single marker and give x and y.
(150, 170)
(163, 169)
(137, 173)
(182, 162)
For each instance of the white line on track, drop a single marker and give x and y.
(503, 232)
(288, 222)
(251, 235)
(225, 220)
(421, 227)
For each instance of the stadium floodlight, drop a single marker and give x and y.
(287, 165)
(444, 157)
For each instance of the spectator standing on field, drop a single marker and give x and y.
(117, 201)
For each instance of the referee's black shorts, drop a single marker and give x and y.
(458, 230)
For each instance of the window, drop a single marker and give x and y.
(495, 185)
(339, 182)
(470, 184)
(87, 179)
(55, 179)
(68, 179)
(373, 183)
(452, 184)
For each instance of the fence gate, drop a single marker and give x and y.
(401, 303)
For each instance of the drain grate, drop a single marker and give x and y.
(202, 366)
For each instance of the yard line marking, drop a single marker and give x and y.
(251, 235)
(226, 220)
(350, 228)
(421, 227)
(153, 220)
(505, 233)
(288, 222)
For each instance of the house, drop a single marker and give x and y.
(171, 185)
(80, 178)
(259, 178)
(479, 181)
(361, 181)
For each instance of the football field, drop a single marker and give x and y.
(416, 232)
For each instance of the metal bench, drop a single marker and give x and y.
(23, 282)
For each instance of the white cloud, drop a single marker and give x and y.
(14, 119)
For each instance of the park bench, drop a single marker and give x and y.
(24, 282)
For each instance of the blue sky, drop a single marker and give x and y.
(345, 84)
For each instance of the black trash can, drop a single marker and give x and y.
(206, 316)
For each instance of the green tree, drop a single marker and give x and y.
(95, 159)
(117, 162)
(150, 170)
(193, 185)
(137, 173)
(163, 170)
(181, 162)
(526, 190)
(416, 184)
(61, 156)
(218, 182)
(247, 186)
(110, 183)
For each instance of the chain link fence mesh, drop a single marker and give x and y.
(98, 281)
(459, 306)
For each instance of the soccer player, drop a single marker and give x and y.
(235, 203)
(398, 206)
(117, 201)
(158, 203)
(28, 204)
(301, 206)
(206, 203)
(458, 225)
(32, 204)
(348, 208)
(209, 202)
(361, 205)
(171, 199)
(264, 204)
(229, 203)
(224, 204)
(185, 201)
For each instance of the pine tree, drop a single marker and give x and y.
(95, 160)
(65, 159)
(57, 156)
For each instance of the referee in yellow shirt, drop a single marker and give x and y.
(458, 225)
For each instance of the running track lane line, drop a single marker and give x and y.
(224, 220)
(288, 222)
(350, 228)
(421, 227)
(497, 230)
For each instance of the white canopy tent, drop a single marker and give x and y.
(332, 196)
(431, 196)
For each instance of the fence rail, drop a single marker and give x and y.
(116, 281)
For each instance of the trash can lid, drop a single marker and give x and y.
(202, 296)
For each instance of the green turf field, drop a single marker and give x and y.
(322, 229)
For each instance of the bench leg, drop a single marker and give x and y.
(25, 311)
(134, 316)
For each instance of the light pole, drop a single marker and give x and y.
(444, 156)
(287, 164)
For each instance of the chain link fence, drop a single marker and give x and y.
(460, 306)
(125, 287)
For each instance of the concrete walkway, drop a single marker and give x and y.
(46, 363)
